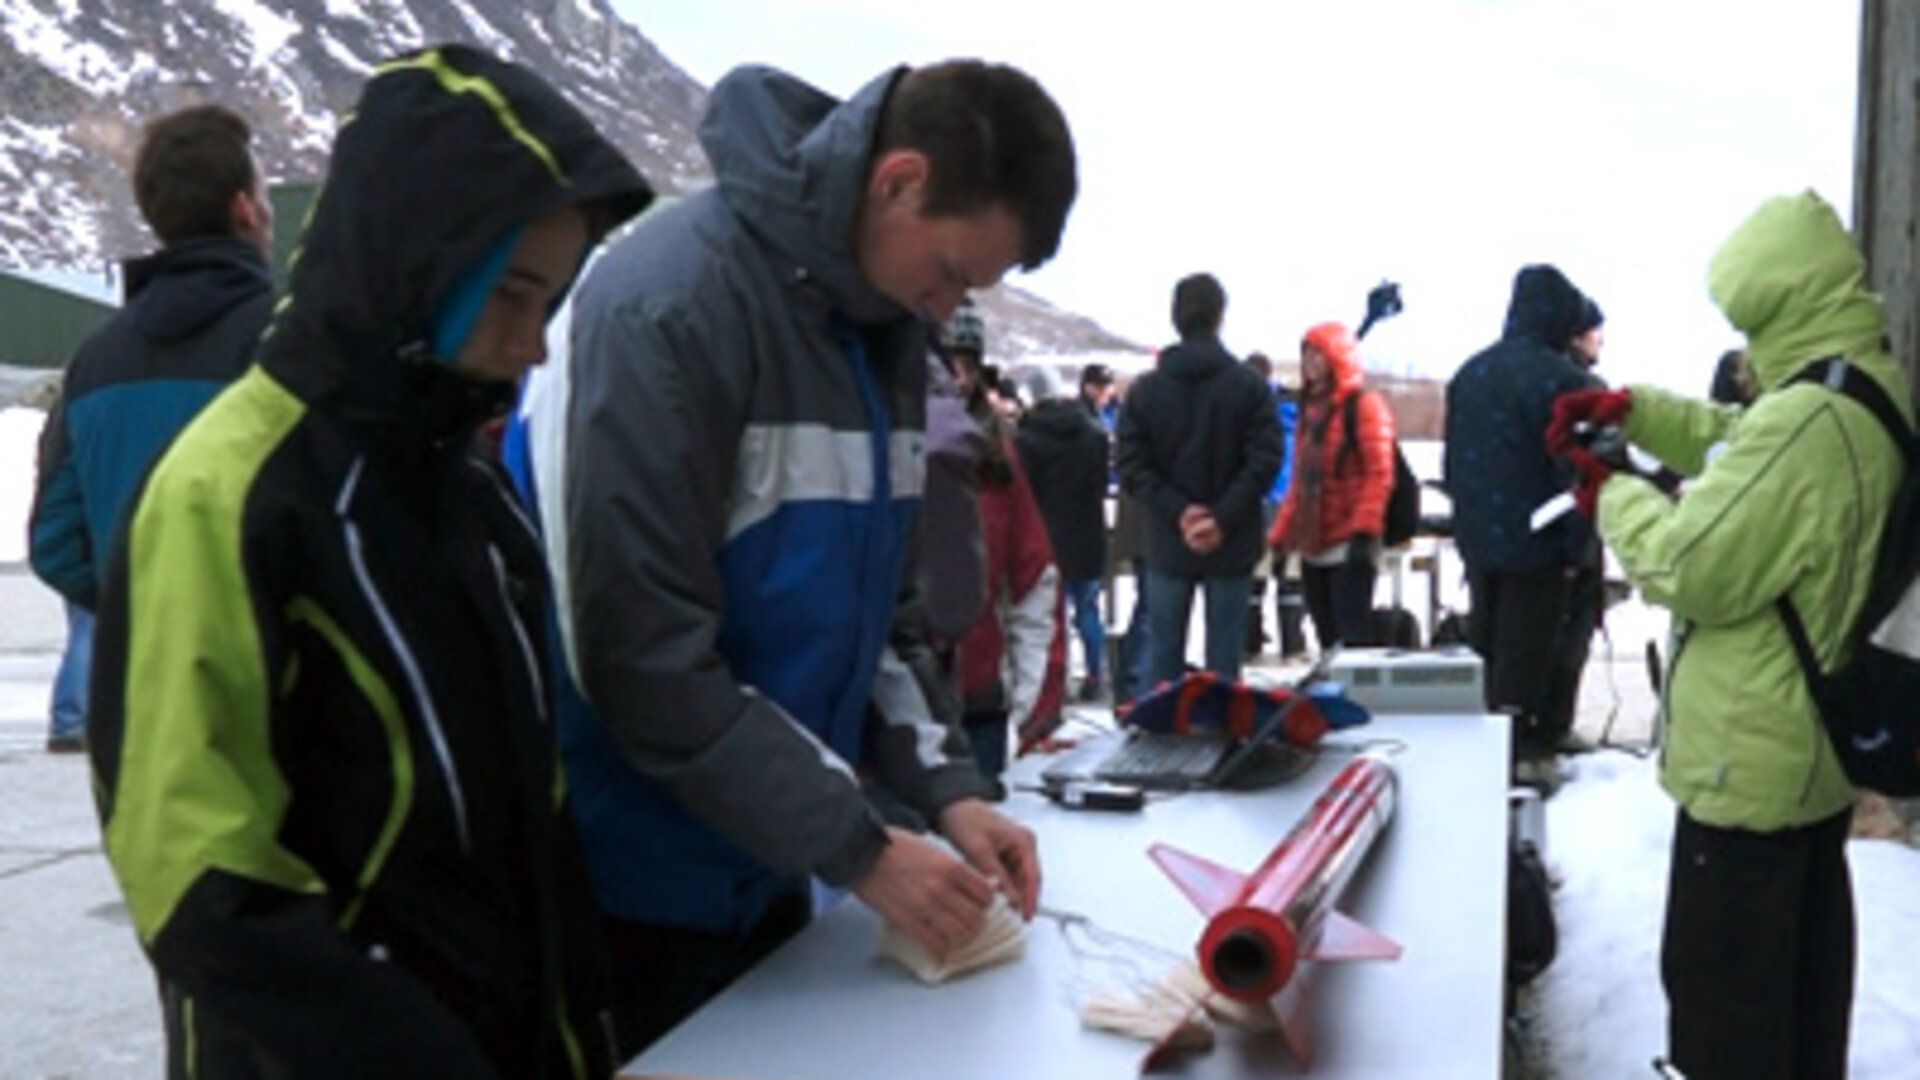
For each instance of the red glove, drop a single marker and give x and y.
(1595, 407)
(1593, 472)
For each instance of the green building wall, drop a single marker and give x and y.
(41, 325)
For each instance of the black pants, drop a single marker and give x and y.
(1758, 952)
(663, 973)
(1532, 629)
(1340, 602)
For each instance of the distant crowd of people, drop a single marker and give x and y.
(451, 714)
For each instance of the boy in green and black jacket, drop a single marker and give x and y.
(323, 756)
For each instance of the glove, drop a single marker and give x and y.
(1593, 471)
(1363, 549)
(1593, 407)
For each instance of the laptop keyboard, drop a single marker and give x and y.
(1148, 755)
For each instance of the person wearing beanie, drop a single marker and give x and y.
(1199, 445)
(953, 572)
(323, 750)
(1588, 335)
(1528, 586)
(1098, 392)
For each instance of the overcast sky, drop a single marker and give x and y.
(1303, 151)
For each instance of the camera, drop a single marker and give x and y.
(1604, 441)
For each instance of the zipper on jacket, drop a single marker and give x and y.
(416, 681)
(527, 655)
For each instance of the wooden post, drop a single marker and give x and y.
(1886, 197)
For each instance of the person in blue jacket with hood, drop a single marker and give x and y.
(193, 313)
(730, 513)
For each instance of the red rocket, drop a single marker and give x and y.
(1262, 926)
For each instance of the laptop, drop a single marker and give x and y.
(1209, 759)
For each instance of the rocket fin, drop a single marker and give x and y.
(1193, 1033)
(1345, 939)
(1290, 1015)
(1207, 884)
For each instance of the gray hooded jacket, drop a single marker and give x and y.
(742, 472)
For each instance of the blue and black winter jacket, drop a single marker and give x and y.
(193, 315)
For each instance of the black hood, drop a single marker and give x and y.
(1546, 308)
(1195, 359)
(1059, 421)
(177, 291)
(447, 150)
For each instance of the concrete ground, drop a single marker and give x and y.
(77, 999)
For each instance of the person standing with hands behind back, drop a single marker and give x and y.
(1198, 446)
(323, 751)
(1336, 508)
(1783, 499)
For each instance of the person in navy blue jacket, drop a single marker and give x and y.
(1528, 584)
(193, 313)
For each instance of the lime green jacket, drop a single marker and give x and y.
(1785, 498)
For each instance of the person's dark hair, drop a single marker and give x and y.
(189, 166)
(1261, 366)
(1095, 374)
(1728, 387)
(992, 137)
(1199, 303)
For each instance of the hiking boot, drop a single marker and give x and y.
(1575, 743)
(1092, 689)
(66, 744)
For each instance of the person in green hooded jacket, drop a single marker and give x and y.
(322, 745)
(1783, 498)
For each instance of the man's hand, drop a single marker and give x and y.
(1199, 530)
(997, 846)
(917, 886)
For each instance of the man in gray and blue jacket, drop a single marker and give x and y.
(729, 480)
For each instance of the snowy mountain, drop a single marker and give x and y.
(78, 77)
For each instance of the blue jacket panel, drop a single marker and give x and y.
(193, 316)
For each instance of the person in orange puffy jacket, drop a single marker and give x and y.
(1336, 507)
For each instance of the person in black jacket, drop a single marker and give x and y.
(1528, 585)
(193, 313)
(1199, 445)
(323, 752)
(1066, 454)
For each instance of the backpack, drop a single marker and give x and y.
(1403, 499)
(1867, 704)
